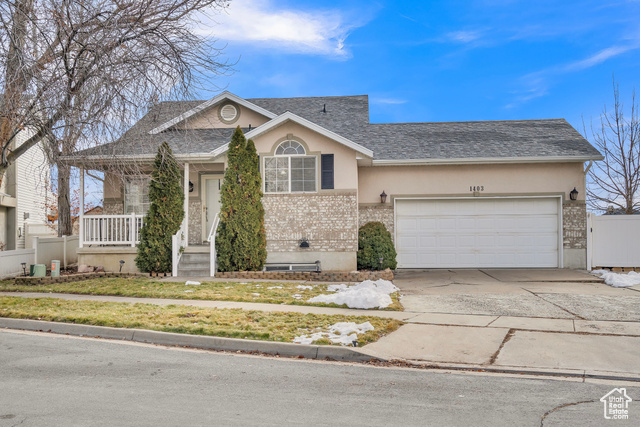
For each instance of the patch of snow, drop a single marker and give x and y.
(367, 294)
(304, 287)
(189, 291)
(191, 282)
(297, 296)
(619, 280)
(275, 287)
(344, 333)
(255, 294)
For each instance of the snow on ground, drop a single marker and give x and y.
(304, 287)
(367, 294)
(275, 287)
(191, 282)
(619, 280)
(344, 333)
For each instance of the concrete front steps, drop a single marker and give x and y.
(194, 262)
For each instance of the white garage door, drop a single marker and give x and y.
(467, 233)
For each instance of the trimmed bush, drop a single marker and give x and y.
(241, 241)
(374, 242)
(165, 214)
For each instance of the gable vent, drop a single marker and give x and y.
(229, 113)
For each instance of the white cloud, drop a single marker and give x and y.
(261, 23)
(599, 57)
(389, 101)
(463, 36)
(536, 84)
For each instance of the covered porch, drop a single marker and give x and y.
(112, 237)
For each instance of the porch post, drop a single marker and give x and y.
(81, 214)
(186, 204)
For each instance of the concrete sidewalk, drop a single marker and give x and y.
(568, 346)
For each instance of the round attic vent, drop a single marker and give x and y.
(228, 113)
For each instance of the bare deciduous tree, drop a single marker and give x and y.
(78, 72)
(615, 181)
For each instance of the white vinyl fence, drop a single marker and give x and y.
(64, 249)
(37, 230)
(10, 261)
(43, 251)
(614, 240)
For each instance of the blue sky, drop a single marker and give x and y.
(436, 61)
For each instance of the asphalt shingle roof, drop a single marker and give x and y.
(348, 116)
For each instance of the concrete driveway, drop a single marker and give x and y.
(538, 320)
(537, 293)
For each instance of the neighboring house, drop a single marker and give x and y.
(23, 194)
(459, 194)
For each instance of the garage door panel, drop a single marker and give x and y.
(477, 233)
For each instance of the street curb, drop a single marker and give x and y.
(194, 341)
(522, 371)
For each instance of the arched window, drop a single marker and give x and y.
(290, 148)
(290, 170)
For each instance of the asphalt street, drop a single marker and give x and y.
(48, 379)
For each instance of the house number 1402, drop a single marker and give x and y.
(475, 188)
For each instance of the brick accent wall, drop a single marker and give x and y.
(381, 213)
(574, 225)
(195, 222)
(328, 221)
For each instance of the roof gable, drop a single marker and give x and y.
(289, 116)
(207, 104)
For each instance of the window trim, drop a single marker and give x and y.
(127, 182)
(289, 157)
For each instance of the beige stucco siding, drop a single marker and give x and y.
(507, 179)
(345, 164)
(210, 119)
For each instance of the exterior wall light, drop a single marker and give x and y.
(574, 194)
(304, 243)
(383, 197)
(190, 187)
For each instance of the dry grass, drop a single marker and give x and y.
(233, 323)
(263, 292)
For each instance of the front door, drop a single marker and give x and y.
(211, 203)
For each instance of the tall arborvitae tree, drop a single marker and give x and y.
(241, 240)
(165, 214)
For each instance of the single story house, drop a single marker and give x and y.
(452, 194)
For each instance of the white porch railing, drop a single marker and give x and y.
(178, 243)
(213, 258)
(111, 229)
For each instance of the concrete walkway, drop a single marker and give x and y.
(553, 321)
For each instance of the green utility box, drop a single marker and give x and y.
(55, 268)
(37, 270)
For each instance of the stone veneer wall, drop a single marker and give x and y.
(195, 222)
(380, 213)
(113, 208)
(574, 225)
(329, 221)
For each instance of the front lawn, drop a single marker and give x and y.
(262, 292)
(232, 323)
